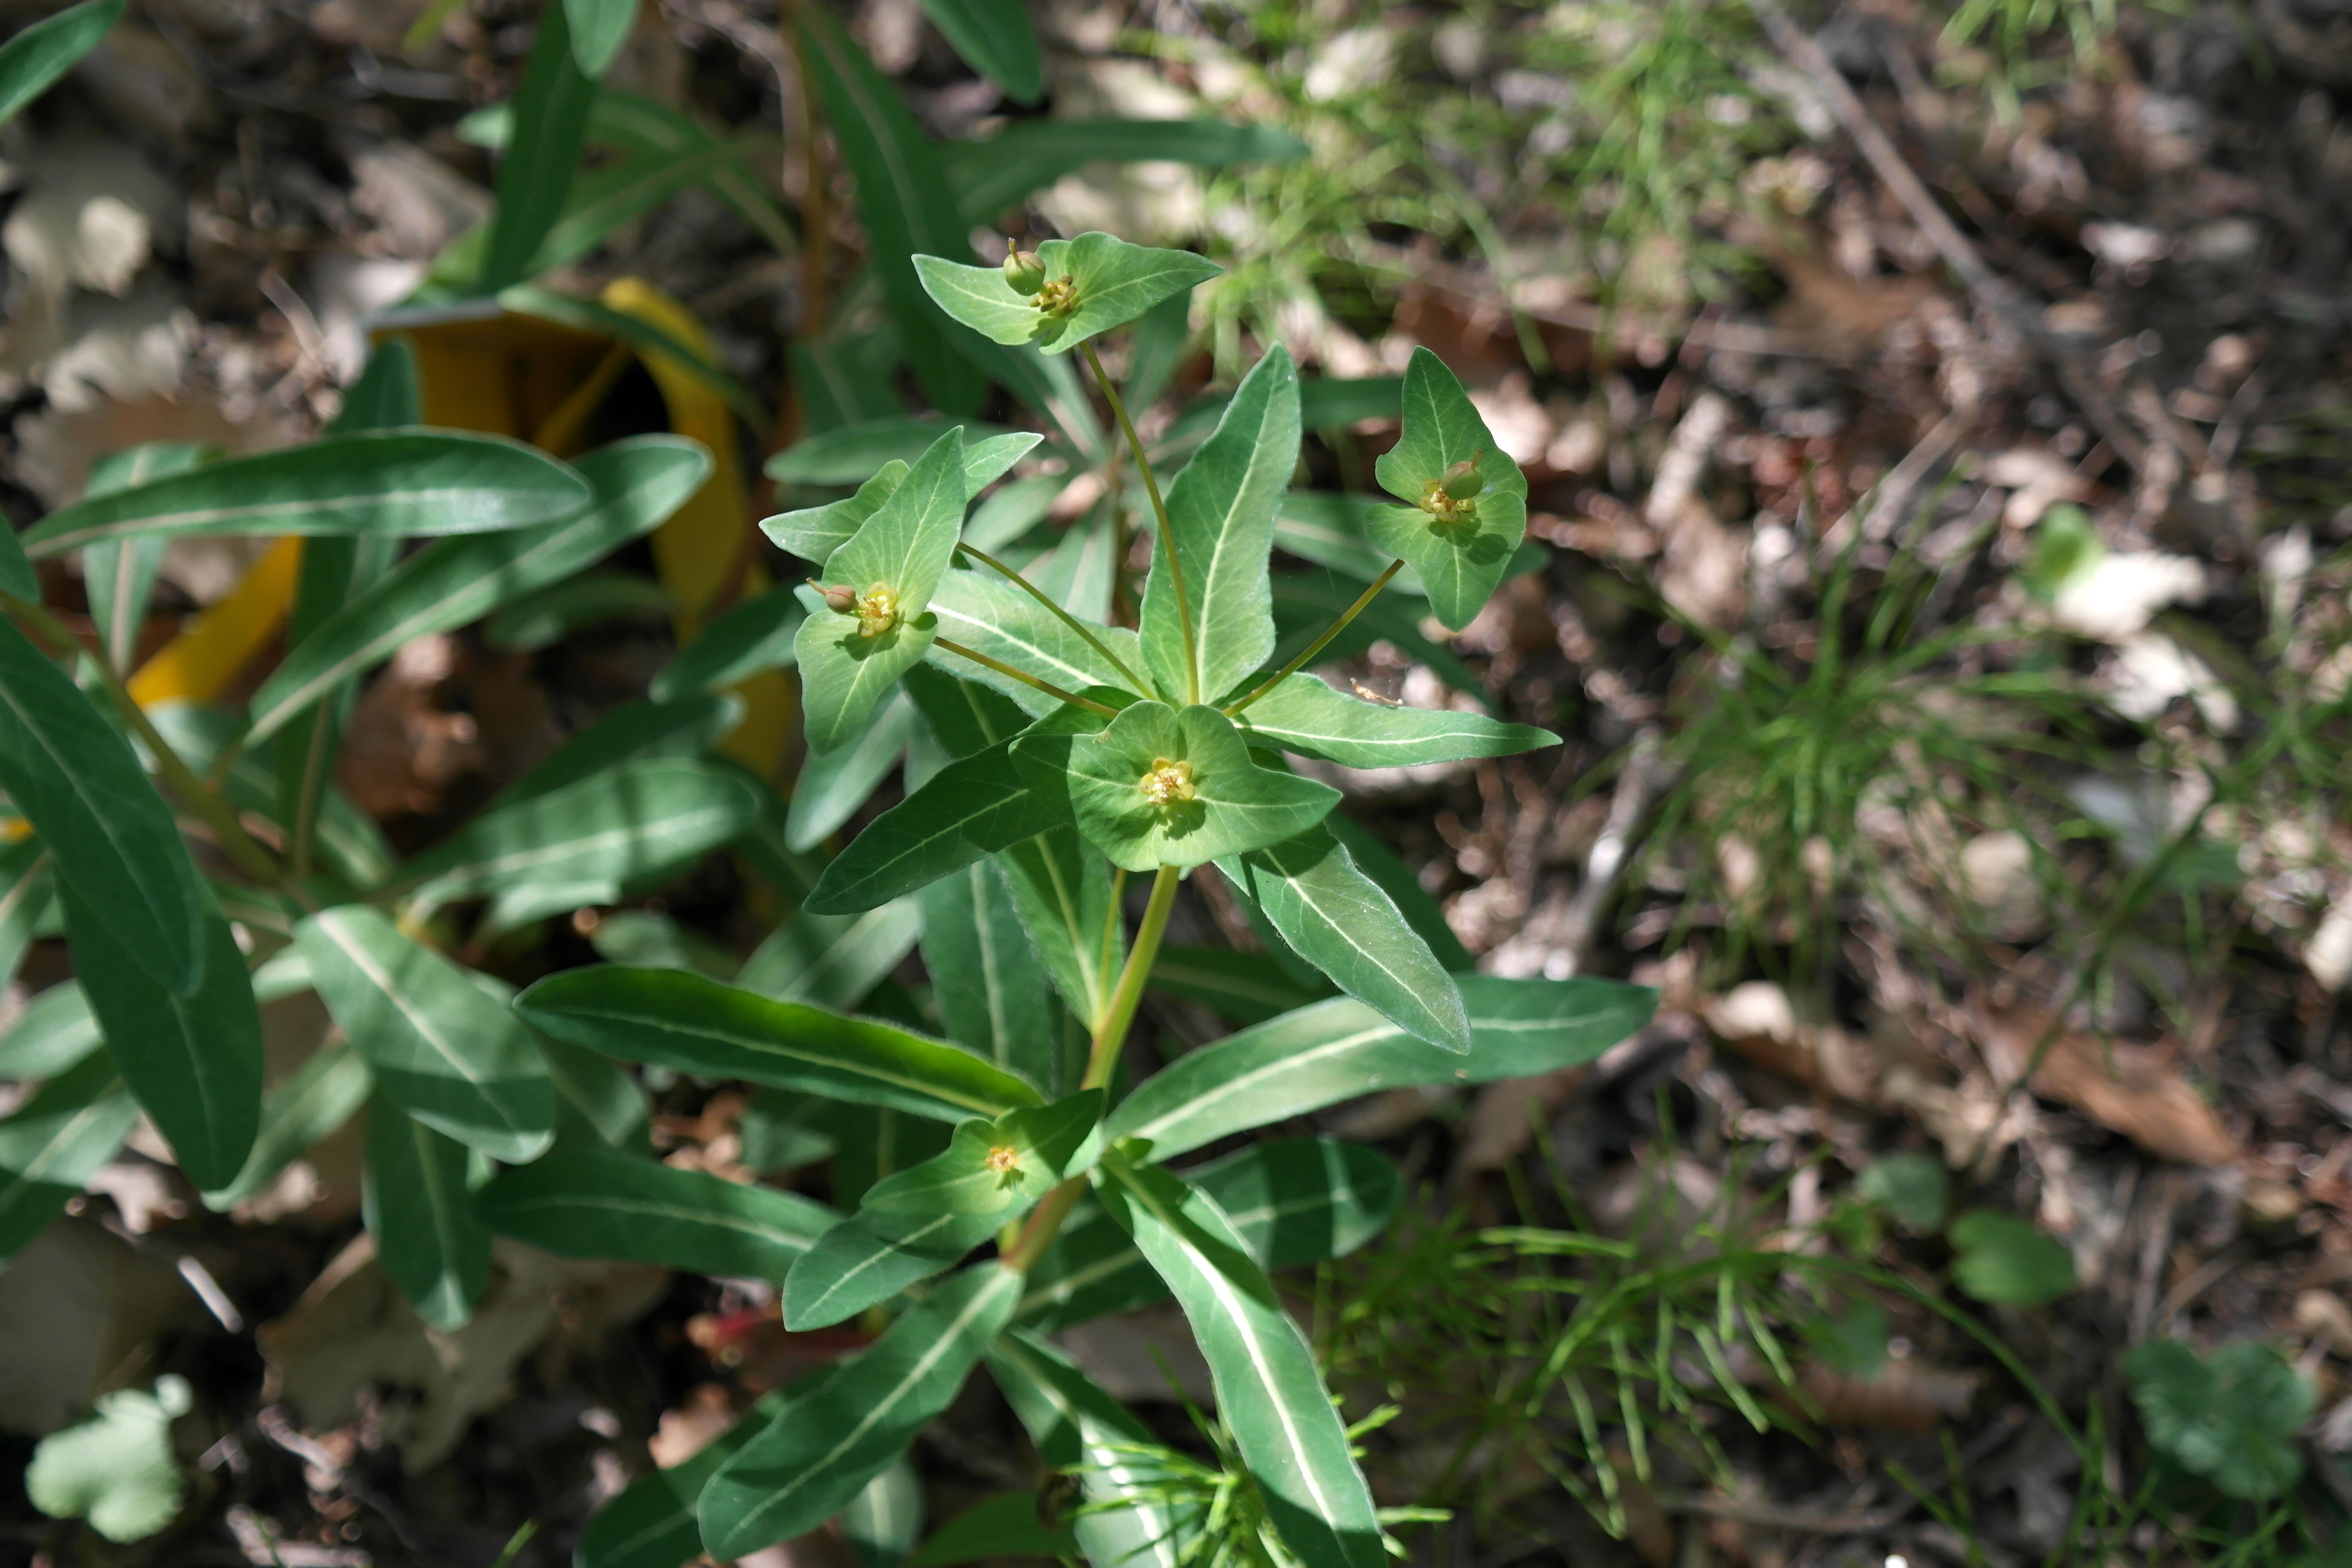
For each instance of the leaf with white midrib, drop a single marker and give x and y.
(986, 614)
(1308, 717)
(1098, 1437)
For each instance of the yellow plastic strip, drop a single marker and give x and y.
(199, 664)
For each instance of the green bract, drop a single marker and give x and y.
(1093, 283)
(1458, 546)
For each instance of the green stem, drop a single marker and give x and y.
(1047, 687)
(214, 811)
(1160, 515)
(1101, 1062)
(1069, 620)
(1319, 643)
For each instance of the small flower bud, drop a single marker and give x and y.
(1463, 480)
(1023, 272)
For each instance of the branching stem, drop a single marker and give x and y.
(1023, 675)
(1160, 515)
(1134, 680)
(1318, 646)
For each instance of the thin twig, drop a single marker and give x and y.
(1159, 514)
(1023, 675)
(1333, 630)
(1069, 620)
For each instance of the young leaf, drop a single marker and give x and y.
(1294, 1202)
(593, 1201)
(323, 1093)
(986, 614)
(415, 482)
(889, 571)
(638, 820)
(1334, 916)
(599, 28)
(994, 39)
(2007, 1261)
(636, 483)
(753, 636)
(1268, 1388)
(194, 1060)
(833, 785)
(985, 978)
(2232, 1418)
(552, 127)
(970, 808)
(116, 1469)
(694, 1025)
(1093, 284)
(1221, 512)
(1340, 1049)
(998, 1167)
(848, 1428)
(903, 200)
(1162, 786)
(57, 1140)
(1911, 1187)
(72, 775)
(441, 1046)
(1305, 716)
(416, 1200)
(832, 961)
(33, 59)
(633, 732)
(871, 1257)
(1459, 548)
(1064, 893)
(1080, 1430)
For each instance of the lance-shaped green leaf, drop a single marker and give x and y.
(26, 898)
(826, 1445)
(588, 1201)
(753, 636)
(57, 1140)
(1335, 532)
(1305, 716)
(651, 1524)
(888, 570)
(417, 1202)
(883, 1522)
(72, 775)
(1081, 1430)
(633, 732)
(833, 785)
(904, 200)
(120, 577)
(552, 127)
(1005, 1525)
(599, 28)
(1459, 545)
(442, 1046)
(887, 446)
(16, 578)
(1245, 987)
(1221, 512)
(1340, 1049)
(386, 481)
(874, 1254)
(985, 978)
(609, 828)
(636, 483)
(1424, 913)
(832, 961)
(323, 1093)
(1269, 1391)
(1168, 786)
(994, 39)
(1093, 284)
(1293, 1202)
(998, 1167)
(690, 1024)
(1339, 919)
(814, 532)
(964, 716)
(33, 59)
(597, 1104)
(988, 615)
(194, 1060)
(56, 1030)
(969, 808)
(1063, 890)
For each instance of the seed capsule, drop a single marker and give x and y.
(1463, 480)
(1023, 272)
(840, 601)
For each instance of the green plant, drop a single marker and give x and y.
(116, 1468)
(2230, 1418)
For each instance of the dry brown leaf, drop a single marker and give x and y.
(1905, 1397)
(2135, 1090)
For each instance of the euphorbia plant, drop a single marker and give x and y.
(1078, 755)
